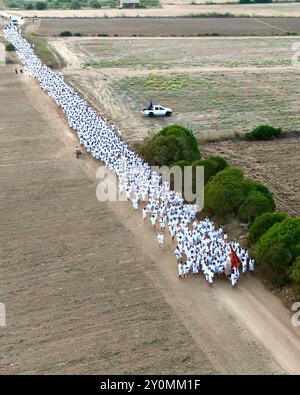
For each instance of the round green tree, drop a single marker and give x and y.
(225, 192)
(263, 223)
(209, 168)
(255, 204)
(219, 163)
(278, 249)
(172, 144)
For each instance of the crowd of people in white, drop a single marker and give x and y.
(199, 245)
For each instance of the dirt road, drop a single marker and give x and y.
(87, 289)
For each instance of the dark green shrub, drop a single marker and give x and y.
(172, 144)
(219, 162)
(181, 164)
(9, 47)
(77, 34)
(295, 275)
(95, 4)
(225, 192)
(263, 223)
(41, 5)
(255, 204)
(66, 34)
(209, 168)
(251, 185)
(263, 132)
(229, 192)
(245, 1)
(75, 5)
(278, 249)
(29, 6)
(13, 4)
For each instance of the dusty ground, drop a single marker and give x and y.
(86, 288)
(238, 83)
(175, 10)
(79, 292)
(216, 86)
(169, 26)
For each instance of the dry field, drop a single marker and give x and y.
(79, 292)
(216, 86)
(174, 10)
(86, 288)
(169, 26)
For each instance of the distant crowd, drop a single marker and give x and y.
(199, 246)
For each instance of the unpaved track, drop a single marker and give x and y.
(87, 288)
(74, 281)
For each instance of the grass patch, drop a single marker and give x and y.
(125, 63)
(219, 105)
(43, 51)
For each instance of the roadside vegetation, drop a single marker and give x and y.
(229, 194)
(45, 53)
(9, 47)
(71, 4)
(263, 132)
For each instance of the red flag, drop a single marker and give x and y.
(235, 260)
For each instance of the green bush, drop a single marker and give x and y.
(251, 185)
(172, 144)
(225, 192)
(277, 251)
(262, 224)
(75, 5)
(263, 132)
(209, 168)
(255, 204)
(77, 34)
(181, 163)
(29, 6)
(295, 274)
(66, 34)
(95, 4)
(9, 47)
(219, 163)
(229, 192)
(13, 4)
(41, 5)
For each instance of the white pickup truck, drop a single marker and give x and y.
(156, 110)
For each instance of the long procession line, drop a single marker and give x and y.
(106, 137)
